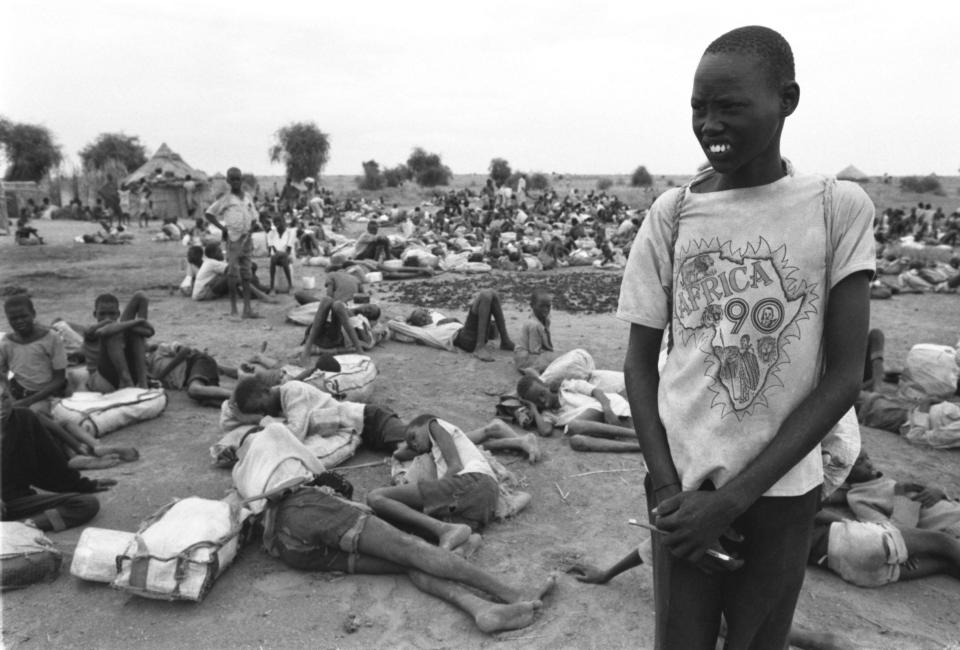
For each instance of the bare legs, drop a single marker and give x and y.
(339, 316)
(497, 435)
(931, 552)
(403, 504)
(590, 435)
(123, 356)
(487, 305)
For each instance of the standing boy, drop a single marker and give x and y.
(748, 248)
(234, 213)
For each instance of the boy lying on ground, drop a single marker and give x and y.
(594, 420)
(180, 367)
(875, 498)
(484, 321)
(464, 498)
(312, 529)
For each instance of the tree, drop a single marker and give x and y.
(30, 150)
(396, 176)
(125, 149)
(538, 181)
(500, 171)
(303, 148)
(641, 177)
(427, 168)
(372, 179)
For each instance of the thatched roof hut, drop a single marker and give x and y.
(851, 173)
(166, 174)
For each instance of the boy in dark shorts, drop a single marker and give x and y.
(315, 530)
(460, 502)
(115, 348)
(484, 321)
(763, 275)
(180, 367)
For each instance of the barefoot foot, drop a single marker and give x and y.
(540, 592)
(483, 355)
(471, 546)
(531, 446)
(454, 536)
(499, 618)
(507, 345)
(94, 462)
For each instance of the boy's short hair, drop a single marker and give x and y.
(195, 255)
(246, 388)
(327, 363)
(525, 383)
(770, 48)
(539, 294)
(19, 300)
(212, 249)
(419, 317)
(106, 299)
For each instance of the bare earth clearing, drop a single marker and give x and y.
(258, 602)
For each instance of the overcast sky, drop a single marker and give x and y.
(588, 87)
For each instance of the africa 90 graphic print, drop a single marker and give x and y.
(741, 308)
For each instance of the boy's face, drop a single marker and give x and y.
(541, 307)
(738, 113)
(863, 470)
(541, 395)
(21, 319)
(106, 311)
(418, 439)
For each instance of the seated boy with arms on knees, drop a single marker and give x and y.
(31, 458)
(115, 348)
(463, 499)
(535, 348)
(37, 358)
(337, 329)
(594, 420)
(731, 436)
(315, 530)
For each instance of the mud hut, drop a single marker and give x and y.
(173, 194)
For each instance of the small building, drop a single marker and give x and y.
(851, 173)
(172, 192)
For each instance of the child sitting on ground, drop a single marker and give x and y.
(337, 329)
(37, 358)
(115, 347)
(535, 347)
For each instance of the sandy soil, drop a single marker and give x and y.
(260, 603)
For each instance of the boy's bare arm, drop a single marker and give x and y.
(544, 426)
(447, 448)
(697, 519)
(608, 415)
(56, 383)
(109, 328)
(643, 381)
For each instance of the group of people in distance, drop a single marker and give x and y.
(731, 436)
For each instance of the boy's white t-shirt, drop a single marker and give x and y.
(472, 459)
(748, 278)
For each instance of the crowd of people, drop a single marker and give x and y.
(738, 440)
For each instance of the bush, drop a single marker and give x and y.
(538, 181)
(922, 184)
(500, 171)
(396, 176)
(372, 179)
(427, 169)
(641, 177)
(604, 184)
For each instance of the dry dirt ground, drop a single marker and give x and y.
(259, 602)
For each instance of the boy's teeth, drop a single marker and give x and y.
(719, 148)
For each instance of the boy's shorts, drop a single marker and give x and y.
(464, 499)
(204, 368)
(318, 531)
(98, 383)
(239, 264)
(866, 554)
(383, 430)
